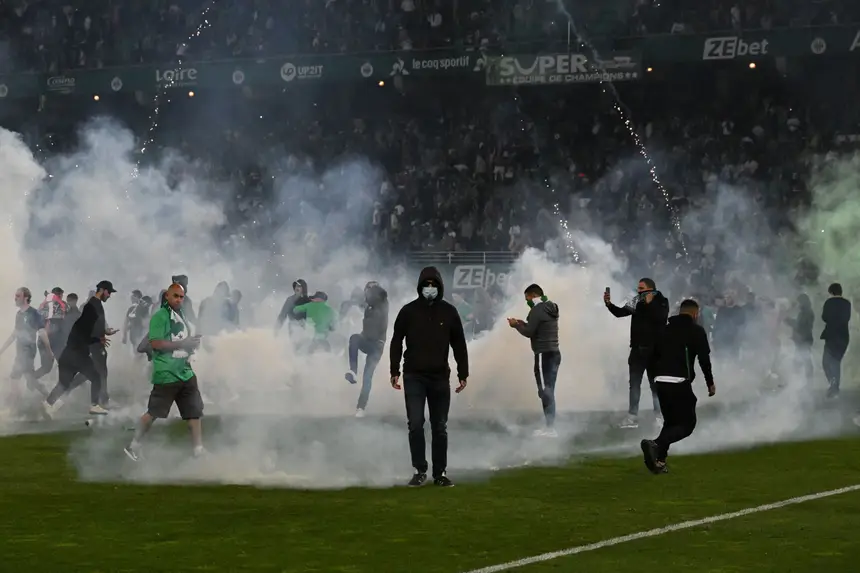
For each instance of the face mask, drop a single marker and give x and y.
(429, 292)
(530, 302)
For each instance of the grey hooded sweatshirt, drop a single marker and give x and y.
(541, 327)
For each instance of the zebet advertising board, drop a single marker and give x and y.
(562, 69)
(471, 277)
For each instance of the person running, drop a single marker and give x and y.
(29, 330)
(173, 380)
(371, 341)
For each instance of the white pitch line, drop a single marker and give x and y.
(660, 531)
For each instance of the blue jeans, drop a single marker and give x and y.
(373, 350)
(546, 373)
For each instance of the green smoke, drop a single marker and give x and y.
(831, 229)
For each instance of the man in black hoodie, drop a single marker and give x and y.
(649, 310)
(430, 325)
(541, 327)
(298, 298)
(89, 329)
(836, 314)
(374, 328)
(674, 357)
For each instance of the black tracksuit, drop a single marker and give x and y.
(371, 340)
(674, 356)
(87, 331)
(836, 314)
(429, 328)
(646, 326)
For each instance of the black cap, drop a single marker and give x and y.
(106, 285)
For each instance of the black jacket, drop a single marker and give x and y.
(677, 349)
(291, 303)
(88, 329)
(375, 324)
(648, 322)
(430, 328)
(836, 314)
(801, 327)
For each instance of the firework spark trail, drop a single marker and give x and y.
(163, 89)
(625, 115)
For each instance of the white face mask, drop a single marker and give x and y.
(430, 292)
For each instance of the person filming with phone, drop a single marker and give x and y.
(649, 311)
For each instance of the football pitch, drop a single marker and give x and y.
(52, 521)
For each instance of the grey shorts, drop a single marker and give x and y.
(186, 395)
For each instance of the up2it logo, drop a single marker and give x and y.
(731, 47)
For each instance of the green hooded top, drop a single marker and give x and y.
(320, 315)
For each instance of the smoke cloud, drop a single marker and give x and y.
(282, 417)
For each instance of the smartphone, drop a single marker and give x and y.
(606, 292)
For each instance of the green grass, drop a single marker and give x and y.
(51, 522)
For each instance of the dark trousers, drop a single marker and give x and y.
(98, 353)
(46, 362)
(641, 361)
(803, 360)
(831, 362)
(70, 365)
(434, 391)
(679, 414)
(373, 350)
(546, 373)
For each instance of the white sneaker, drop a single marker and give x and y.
(48, 410)
(629, 423)
(200, 451)
(546, 433)
(359, 413)
(133, 452)
(96, 410)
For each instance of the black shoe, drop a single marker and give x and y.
(443, 481)
(417, 480)
(649, 453)
(350, 377)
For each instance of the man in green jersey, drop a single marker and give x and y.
(173, 380)
(322, 318)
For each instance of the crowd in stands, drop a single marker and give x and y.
(55, 35)
(463, 166)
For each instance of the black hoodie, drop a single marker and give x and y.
(648, 320)
(430, 328)
(375, 324)
(292, 302)
(683, 340)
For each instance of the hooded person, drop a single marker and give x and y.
(430, 326)
(322, 318)
(288, 311)
(371, 341)
(649, 311)
(218, 312)
(541, 328)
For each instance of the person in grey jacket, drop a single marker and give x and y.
(541, 328)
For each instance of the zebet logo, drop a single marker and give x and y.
(732, 47)
(176, 78)
(477, 276)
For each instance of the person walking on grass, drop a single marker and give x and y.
(430, 326)
(173, 380)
